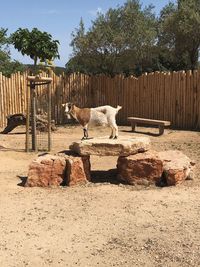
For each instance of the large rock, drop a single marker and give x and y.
(54, 170)
(177, 166)
(78, 170)
(48, 170)
(103, 146)
(142, 168)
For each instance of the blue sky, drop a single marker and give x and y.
(57, 17)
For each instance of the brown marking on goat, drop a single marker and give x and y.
(82, 115)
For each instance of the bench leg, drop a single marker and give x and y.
(161, 130)
(133, 125)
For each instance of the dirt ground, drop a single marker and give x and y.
(103, 223)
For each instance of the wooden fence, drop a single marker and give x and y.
(167, 96)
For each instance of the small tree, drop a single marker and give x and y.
(35, 44)
(39, 46)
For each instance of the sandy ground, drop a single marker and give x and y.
(103, 223)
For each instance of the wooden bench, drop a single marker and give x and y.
(161, 124)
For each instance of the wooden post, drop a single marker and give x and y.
(49, 117)
(161, 129)
(133, 125)
(27, 118)
(37, 81)
(33, 116)
(1, 99)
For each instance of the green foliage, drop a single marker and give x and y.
(121, 40)
(3, 37)
(7, 66)
(35, 44)
(179, 25)
(129, 39)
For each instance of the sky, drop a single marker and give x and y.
(57, 17)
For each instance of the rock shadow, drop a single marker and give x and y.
(68, 153)
(162, 181)
(109, 176)
(23, 180)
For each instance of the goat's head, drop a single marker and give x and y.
(68, 107)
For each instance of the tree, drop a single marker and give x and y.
(129, 39)
(39, 46)
(36, 44)
(7, 66)
(179, 27)
(79, 44)
(120, 40)
(3, 39)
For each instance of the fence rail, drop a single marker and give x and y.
(173, 96)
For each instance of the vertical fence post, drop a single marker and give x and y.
(33, 115)
(49, 117)
(27, 117)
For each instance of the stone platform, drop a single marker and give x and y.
(136, 164)
(103, 146)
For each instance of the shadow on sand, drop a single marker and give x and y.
(109, 176)
(23, 180)
(141, 132)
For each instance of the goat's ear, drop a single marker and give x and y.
(71, 105)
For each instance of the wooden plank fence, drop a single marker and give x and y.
(169, 96)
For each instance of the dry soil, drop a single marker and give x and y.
(103, 223)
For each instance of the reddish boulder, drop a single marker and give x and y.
(48, 170)
(142, 168)
(78, 170)
(54, 170)
(177, 166)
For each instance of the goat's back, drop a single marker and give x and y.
(108, 109)
(98, 118)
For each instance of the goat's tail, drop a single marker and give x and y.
(118, 108)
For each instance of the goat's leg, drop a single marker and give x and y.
(111, 136)
(114, 128)
(85, 132)
(115, 136)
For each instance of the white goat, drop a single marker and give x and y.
(104, 115)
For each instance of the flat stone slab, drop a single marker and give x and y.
(103, 146)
